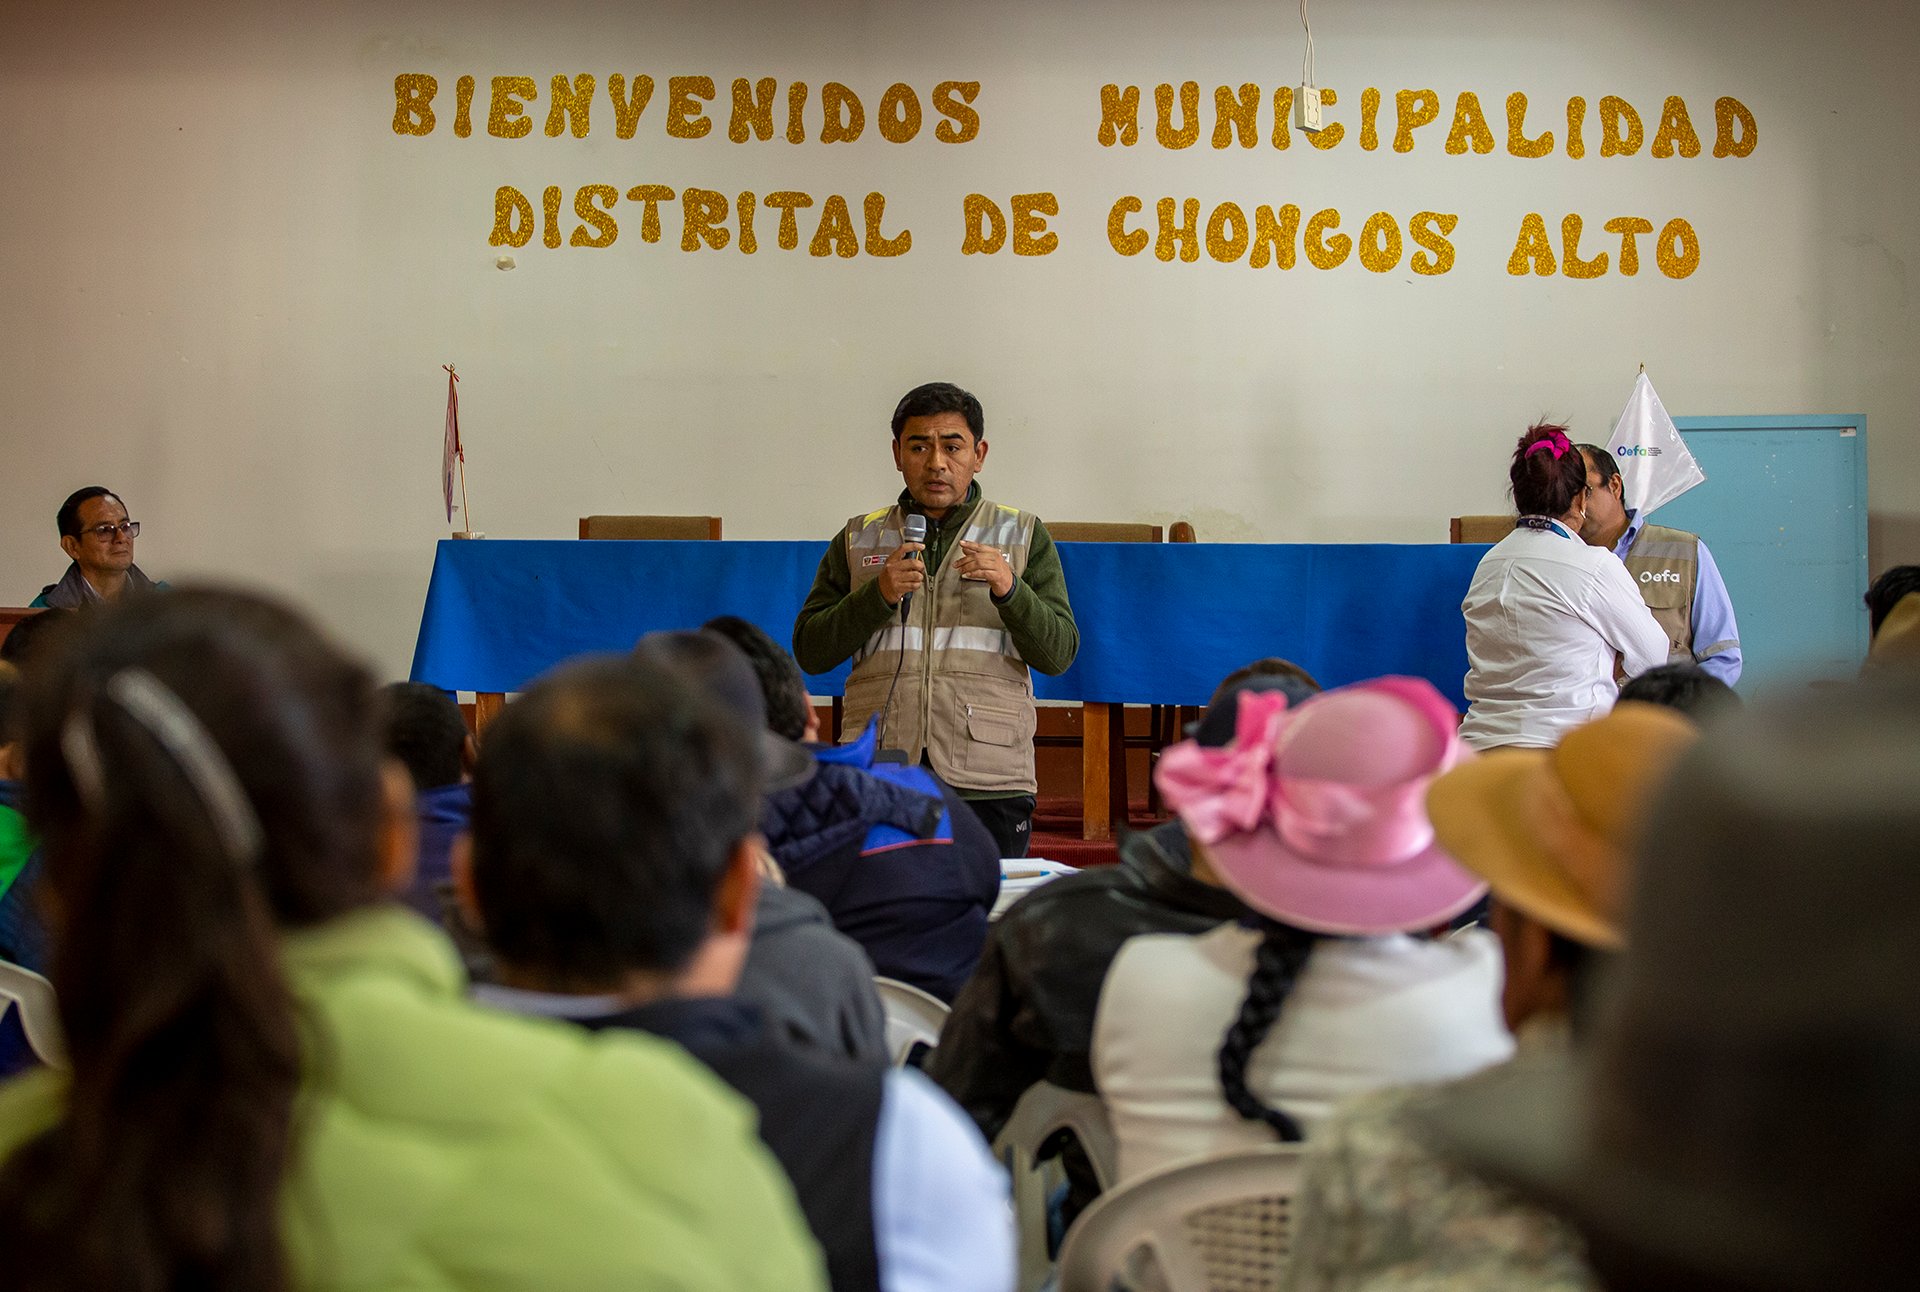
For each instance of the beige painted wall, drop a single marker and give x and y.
(229, 284)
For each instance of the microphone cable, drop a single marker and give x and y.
(914, 531)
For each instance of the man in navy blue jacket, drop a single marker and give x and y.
(899, 860)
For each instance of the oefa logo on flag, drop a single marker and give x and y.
(1655, 464)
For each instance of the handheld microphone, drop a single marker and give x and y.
(915, 531)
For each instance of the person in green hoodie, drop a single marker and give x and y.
(276, 1081)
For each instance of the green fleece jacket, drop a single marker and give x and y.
(444, 1146)
(833, 625)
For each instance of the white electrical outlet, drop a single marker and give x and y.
(1306, 108)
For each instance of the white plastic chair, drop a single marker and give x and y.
(1044, 1109)
(1220, 1224)
(912, 1015)
(33, 996)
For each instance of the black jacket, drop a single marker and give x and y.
(817, 1114)
(1027, 1014)
(908, 873)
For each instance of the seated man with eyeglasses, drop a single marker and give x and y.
(95, 532)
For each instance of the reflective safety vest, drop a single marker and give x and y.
(963, 695)
(1665, 565)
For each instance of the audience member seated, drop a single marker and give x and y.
(614, 869)
(425, 731)
(1315, 818)
(1685, 687)
(30, 634)
(23, 933)
(814, 982)
(1027, 1013)
(1893, 608)
(16, 846)
(899, 860)
(276, 1079)
(96, 534)
(1376, 1209)
(1743, 1117)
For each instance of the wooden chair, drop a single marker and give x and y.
(1103, 741)
(681, 528)
(487, 704)
(1479, 529)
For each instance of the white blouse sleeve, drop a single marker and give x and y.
(1622, 618)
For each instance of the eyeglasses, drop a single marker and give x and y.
(105, 533)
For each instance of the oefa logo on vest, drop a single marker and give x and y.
(1636, 451)
(1659, 576)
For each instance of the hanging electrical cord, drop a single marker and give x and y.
(1306, 63)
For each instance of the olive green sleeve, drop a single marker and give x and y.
(1037, 612)
(834, 623)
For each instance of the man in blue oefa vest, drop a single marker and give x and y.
(1673, 570)
(947, 675)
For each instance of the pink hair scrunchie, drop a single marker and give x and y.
(1555, 442)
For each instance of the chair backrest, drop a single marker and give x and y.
(1100, 531)
(33, 996)
(1211, 1225)
(912, 1015)
(1044, 1110)
(683, 528)
(11, 615)
(1479, 529)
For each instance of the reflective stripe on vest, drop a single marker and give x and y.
(967, 701)
(1665, 565)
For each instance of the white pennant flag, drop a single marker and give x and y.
(1655, 465)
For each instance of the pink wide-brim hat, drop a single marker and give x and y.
(1316, 816)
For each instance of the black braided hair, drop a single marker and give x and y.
(1277, 962)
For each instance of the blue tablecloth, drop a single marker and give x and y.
(1159, 623)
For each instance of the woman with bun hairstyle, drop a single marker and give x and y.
(1553, 625)
(275, 1078)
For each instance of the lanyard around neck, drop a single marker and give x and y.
(1544, 524)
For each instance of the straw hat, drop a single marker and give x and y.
(1898, 641)
(1745, 1108)
(1549, 830)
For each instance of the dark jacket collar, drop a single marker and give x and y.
(1163, 860)
(73, 591)
(955, 514)
(837, 807)
(693, 1023)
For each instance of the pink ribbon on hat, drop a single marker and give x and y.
(1235, 788)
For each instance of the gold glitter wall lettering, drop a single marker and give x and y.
(1245, 116)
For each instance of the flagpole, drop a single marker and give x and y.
(459, 446)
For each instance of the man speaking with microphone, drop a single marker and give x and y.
(942, 632)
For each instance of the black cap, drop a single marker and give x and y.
(721, 669)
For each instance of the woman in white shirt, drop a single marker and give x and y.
(1316, 818)
(1548, 617)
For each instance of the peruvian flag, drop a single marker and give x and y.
(451, 452)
